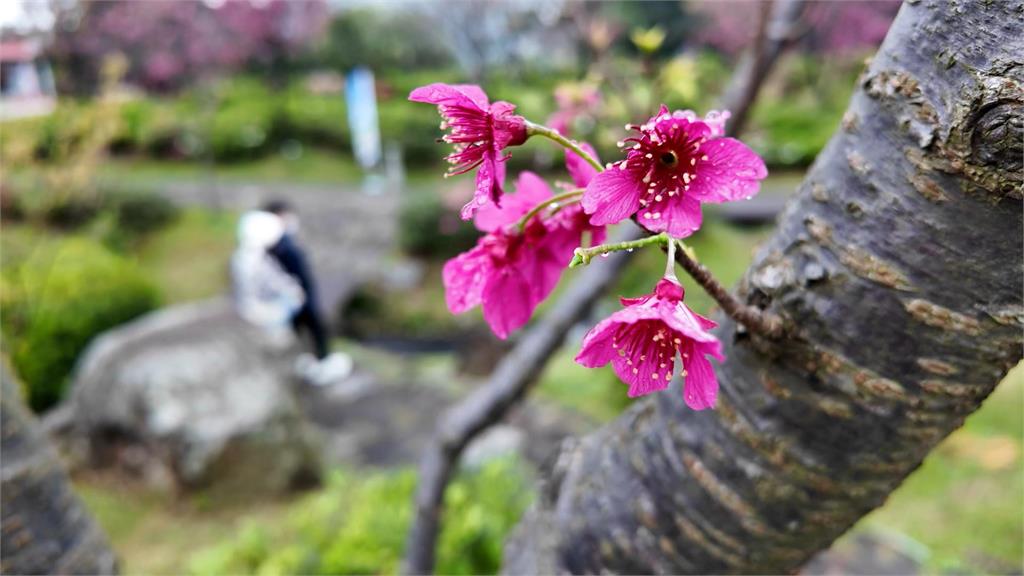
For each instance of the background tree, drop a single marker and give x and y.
(897, 270)
(172, 44)
(366, 37)
(45, 529)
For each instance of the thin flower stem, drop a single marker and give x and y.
(552, 134)
(583, 256)
(557, 198)
(670, 262)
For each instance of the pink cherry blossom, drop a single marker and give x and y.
(677, 162)
(575, 101)
(510, 271)
(572, 218)
(581, 171)
(642, 339)
(479, 131)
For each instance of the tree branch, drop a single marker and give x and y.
(754, 319)
(777, 29)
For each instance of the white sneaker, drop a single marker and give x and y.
(335, 367)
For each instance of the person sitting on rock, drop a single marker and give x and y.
(264, 294)
(323, 367)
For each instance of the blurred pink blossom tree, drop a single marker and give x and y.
(834, 27)
(171, 44)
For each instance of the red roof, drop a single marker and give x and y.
(19, 50)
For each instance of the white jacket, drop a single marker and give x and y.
(264, 294)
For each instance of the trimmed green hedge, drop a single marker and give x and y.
(56, 300)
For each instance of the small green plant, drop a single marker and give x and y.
(141, 214)
(358, 525)
(56, 301)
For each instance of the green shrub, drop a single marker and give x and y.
(315, 120)
(71, 213)
(358, 526)
(415, 128)
(135, 119)
(241, 131)
(142, 214)
(428, 228)
(56, 301)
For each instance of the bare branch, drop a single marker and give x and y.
(777, 29)
(754, 319)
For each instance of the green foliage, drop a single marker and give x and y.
(598, 394)
(964, 503)
(142, 214)
(428, 228)
(313, 119)
(189, 258)
(358, 525)
(790, 135)
(366, 37)
(414, 127)
(71, 213)
(56, 300)
(795, 116)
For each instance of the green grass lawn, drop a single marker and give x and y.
(189, 259)
(157, 533)
(965, 504)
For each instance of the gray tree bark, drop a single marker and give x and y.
(44, 529)
(898, 273)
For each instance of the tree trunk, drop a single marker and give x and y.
(898, 272)
(45, 529)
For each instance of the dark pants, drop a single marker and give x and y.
(307, 319)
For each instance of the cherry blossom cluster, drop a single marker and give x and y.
(673, 163)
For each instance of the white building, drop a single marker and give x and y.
(26, 80)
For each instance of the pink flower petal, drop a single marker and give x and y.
(700, 389)
(509, 129)
(581, 171)
(451, 95)
(597, 348)
(530, 191)
(680, 216)
(464, 278)
(732, 172)
(489, 179)
(680, 318)
(641, 342)
(647, 364)
(506, 302)
(612, 196)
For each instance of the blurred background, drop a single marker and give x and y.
(133, 135)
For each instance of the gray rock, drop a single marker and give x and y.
(496, 442)
(195, 396)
